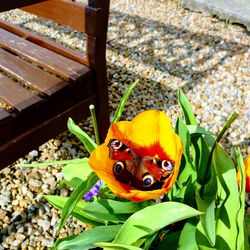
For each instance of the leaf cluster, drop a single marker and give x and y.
(204, 210)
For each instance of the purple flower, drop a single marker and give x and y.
(93, 191)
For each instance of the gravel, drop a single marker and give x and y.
(164, 46)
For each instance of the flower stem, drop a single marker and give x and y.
(92, 112)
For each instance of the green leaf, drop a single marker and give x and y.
(148, 241)
(187, 237)
(207, 219)
(186, 109)
(50, 163)
(187, 174)
(170, 241)
(87, 239)
(76, 172)
(200, 152)
(123, 101)
(111, 211)
(242, 236)
(226, 126)
(140, 223)
(76, 196)
(195, 130)
(228, 194)
(59, 203)
(89, 144)
(227, 204)
(107, 246)
(115, 207)
(220, 135)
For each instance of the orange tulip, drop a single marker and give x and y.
(139, 159)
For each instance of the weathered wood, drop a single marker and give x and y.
(12, 4)
(68, 13)
(15, 95)
(66, 68)
(4, 116)
(96, 54)
(19, 146)
(42, 65)
(36, 78)
(53, 46)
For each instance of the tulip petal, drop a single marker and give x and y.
(149, 134)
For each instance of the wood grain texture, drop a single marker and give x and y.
(15, 95)
(42, 65)
(39, 40)
(64, 67)
(72, 14)
(36, 78)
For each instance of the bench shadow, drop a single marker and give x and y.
(180, 52)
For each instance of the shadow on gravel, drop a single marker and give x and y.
(168, 48)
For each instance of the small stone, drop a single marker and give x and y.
(20, 230)
(15, 243)
(64, 192)
(10, 239)
(15, 202)
(44, 224)
(24, 190)
(34, 153)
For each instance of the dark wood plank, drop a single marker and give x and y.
(22, 144)
(35, 77)
(15, 95)
(4, 116)
(45, 58)
(67, 13)
(12, 4)
(39, 40)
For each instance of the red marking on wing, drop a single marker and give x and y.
(152, 151)
(120, 155)
(153, 169)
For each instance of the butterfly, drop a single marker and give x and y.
(140, 173)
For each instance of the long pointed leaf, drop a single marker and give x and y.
(59, 203)
(75, 197)
(151, 219)
(107, 246)
(186, 109)
(51, 163)
(87, 239)
(123, 101)
(89, 144)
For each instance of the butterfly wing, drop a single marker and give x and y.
(159, 169)
(119, 151)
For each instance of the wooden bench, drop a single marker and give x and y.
(43, 83)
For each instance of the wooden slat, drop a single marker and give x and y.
(68, 13)
(21, 145)
(58, 64)
(4, 116)
(56, 47)
(12, 4)
(34, 77)
(16, 96)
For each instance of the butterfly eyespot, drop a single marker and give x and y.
(119, 167)
(148, 180)
(115, 144)
(167, 165)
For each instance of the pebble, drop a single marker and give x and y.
(164, 46)
(44, 224)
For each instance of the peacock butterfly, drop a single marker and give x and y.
(138, 172)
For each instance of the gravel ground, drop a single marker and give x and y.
(167, 48)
